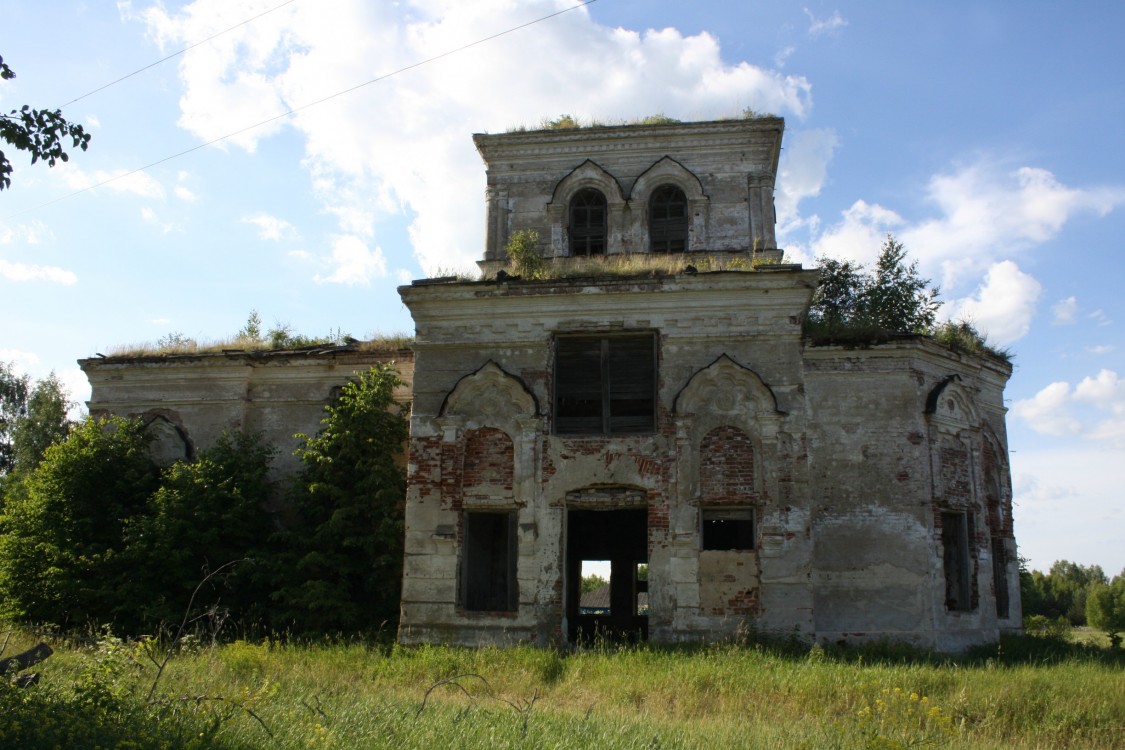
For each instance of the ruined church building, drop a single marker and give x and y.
(672, 423)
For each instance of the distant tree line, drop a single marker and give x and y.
(92, 532)
(1074, 595)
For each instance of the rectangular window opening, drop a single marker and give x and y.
(728, 528)
(640, 586)
(605, 385)
(1000, 576)
(596, 592)
(955, 558)
(489, 564)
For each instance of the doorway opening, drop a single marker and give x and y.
(612, 545)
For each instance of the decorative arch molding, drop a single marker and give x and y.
(169, 441)
(728, 393)
(951, 408)
(668, 171)
(588, 174)
(490, 397)
(494, 404)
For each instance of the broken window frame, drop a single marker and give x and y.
(956, 533)
(605, 385)
(668, 220)
(588, 227)
(1000, 577)
(488, 561)
(728, 529)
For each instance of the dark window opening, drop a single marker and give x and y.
(605, 385)
(728, 528)
(489, 564)
(668, 220)
(1000, 576)
(955, 554)
(588, 223)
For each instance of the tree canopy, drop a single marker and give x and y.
(894, 299)
(43, 133)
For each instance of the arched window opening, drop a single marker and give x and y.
(588, 223)
(668, 220)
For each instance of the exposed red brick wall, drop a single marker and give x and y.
(489, 458)
(726, 466)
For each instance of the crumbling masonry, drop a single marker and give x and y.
(667, 422)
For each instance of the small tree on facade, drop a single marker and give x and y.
(894, 299)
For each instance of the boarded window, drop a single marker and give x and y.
(728, 528)
(955, 549)
(605, 385)
(668, 220)
(588, 223)
(488, 572)
(1000, 576)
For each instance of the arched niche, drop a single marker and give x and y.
(168, 441)
(729, 400)
(588, 174)
(668, 171)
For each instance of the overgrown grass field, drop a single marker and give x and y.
(1029, 693)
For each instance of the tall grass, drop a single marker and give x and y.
(367, 695)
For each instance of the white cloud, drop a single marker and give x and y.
(1048, 411)
(1066, 311)
(401, 146)
(987, 213)
(23, 363)
(184, 194)
(151, 217)
(271, 227)
(25, 272)
(783, 56)
(802, 172)
(1002, 307)
(353, 262)
(1052, 410)
(1099, 317)
(822, 26)
(32, 233)
(860, 234)
(119, 181)
(1101, 349)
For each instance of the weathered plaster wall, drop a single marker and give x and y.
(726, 170)
(189, 400)
(882, 470)
(722, 338)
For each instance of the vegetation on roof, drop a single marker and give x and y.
(525, 261)
(252, 338)
(852, 307)
(572, 122)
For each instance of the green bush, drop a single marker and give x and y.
(340, 564)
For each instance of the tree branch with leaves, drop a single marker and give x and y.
(43, 133)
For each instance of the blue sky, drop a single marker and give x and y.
(986, 136)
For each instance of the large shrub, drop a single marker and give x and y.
(206, 514)
(342, 559)
(61, 535)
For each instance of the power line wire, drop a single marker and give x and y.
(176, 54)
(295, 110)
